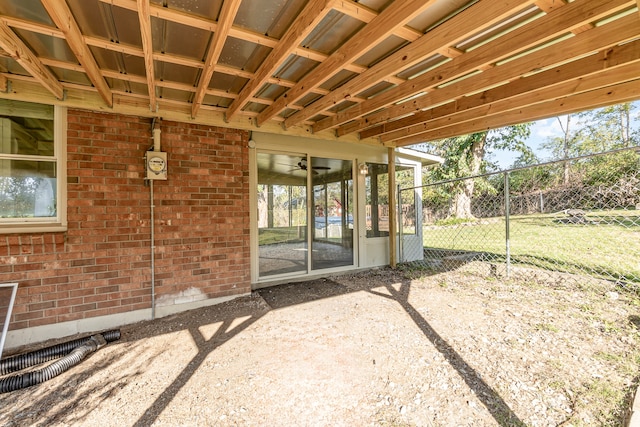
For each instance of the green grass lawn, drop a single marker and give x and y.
(607, 245)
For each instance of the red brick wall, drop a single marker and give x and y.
(101, 265)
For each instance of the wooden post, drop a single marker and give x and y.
(393, 259)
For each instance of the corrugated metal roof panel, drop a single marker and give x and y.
(342, 106)
(242, 54)
(127, 26)
(206, 8)
(31, 10)
(175, 95)
(438, 12)
(270, 91)
(275, 17)
(8, 65)
(217, 101)
(176, 73)
(422, 66)
(253, 107)
(377, 5)
(387, 47)
(172, 38)
(229, 83)
(70, 76)
(294, 68)
(93, 17)
(137, 88)
(338, 79)
(118, 85)
(503, 27)
(332, 32)
(116, 61)
(48, 46)
(308, 99)
(375, 90)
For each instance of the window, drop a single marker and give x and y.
(377, 199)
(32, 167)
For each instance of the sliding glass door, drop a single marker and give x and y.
(292, 220)
(332, 242)
(282, 214)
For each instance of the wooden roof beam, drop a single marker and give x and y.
(16, 48)
(185, 18)
(397, 14)
(64, 20)
(549, 5)
(624, 92)
(227, 15)
(548, 27)
(195, 21)
(306, 21)
(144, 17)
(603, 69)
(175, 59)
(188, 62)
(366, 15)
(472, 20)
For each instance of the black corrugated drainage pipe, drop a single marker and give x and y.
(73, 352)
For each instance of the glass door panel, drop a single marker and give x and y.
(332, 233)
(282, 214)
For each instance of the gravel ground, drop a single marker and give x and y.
(372, 348)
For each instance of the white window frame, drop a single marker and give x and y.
(59, 222)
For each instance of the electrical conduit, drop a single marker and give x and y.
(73, 352)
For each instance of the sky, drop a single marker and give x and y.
(541, 131)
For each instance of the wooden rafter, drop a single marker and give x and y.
(64, 20)
(176, 59)
(549, 27)
(549, 5)
(191, 20)
(364, 14)
(144, 18)
(609, 95)
(606, 68)
(16, 48)
(397, 14)
(472, 20)
(227, 15)
(488, 61)
(306, 21)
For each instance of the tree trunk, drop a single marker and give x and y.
(461, 203)
(263, 207)
(625, 124)
(565, 148)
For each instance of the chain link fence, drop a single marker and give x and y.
(577, 218)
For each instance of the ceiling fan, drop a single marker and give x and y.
(302, 165)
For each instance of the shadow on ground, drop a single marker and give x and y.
(233, 318)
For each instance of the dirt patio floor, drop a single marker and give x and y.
(370, 348)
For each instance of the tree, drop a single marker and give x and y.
(567, 145)
(465, 156)
(597, 131)
(608, 128)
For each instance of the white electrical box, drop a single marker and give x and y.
(156, 165)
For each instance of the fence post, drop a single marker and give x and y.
(541, 202)
(506, 221)
(400, 226)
